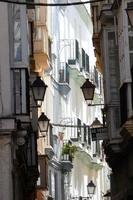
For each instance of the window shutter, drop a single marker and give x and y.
(89, 136)
(51, 135)
(83, 59)
(85, 133)
(87, 66)
(79, 128)
(20, 79)
(77, 50)
(96, 77)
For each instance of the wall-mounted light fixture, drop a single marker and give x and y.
(129, 11)
(43, 123)
(88, 91)
(91, 187)
(38, 88)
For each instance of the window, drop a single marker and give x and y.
(130, 38)
(89, 136)
(77, 50)
(83, 58)
(79, 129)
(43, 171)
(51, 135)
(132, 84)
(96, 77)
(56, 186)
(131, 48)
(73, 52)
(64, 73)
(31, 38)
(85, 133)
(123, 103)
(31, 150)
(87, 65)
(17, 35)
(20, 80)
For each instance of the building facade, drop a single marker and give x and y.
(72, 62)
(18, 152)
(112, 37)
(55, 44)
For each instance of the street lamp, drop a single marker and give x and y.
(43, 123)
(91, 189)
(96, 123)
(129, 11)
(88, 90)
(38, 88)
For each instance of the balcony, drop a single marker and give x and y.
(69, 52)
(42, 182)
(41, 50)
(97, 51)
(106, 14)
(68, 151)
(127, 129)
(64, 78)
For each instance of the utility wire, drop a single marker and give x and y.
(48, 4)
(70, 126)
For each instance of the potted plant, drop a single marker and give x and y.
(68, 151)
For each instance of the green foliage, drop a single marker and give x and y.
(69, 149)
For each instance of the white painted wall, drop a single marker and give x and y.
(69, 23)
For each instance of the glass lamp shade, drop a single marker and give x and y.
(129, 11)
(43, 123)
(88, 90)
(91, 188)
(38, 90)
(96, 123)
